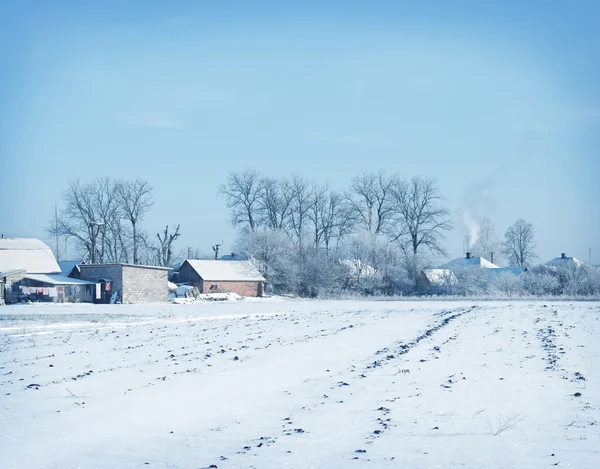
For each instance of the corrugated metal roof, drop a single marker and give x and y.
(29, 254)
(240, 271)
(57, 279)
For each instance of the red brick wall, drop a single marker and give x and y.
(241, 288)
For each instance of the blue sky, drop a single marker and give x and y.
(500, 103)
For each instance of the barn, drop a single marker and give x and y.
(30, 272)
(222, 277)
(127, 283)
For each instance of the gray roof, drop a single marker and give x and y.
(139, 266)
(226, 271)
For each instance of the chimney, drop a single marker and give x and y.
(492, 257)
(563, 255)
(469, 255)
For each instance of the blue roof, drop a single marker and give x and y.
(67, 266)
(234, 256)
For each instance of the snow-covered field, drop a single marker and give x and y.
(301, 384)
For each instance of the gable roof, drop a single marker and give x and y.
(66, 267)
(29, 254)
(440, 277)
(232, 271)
(470, 262)
(565, 262)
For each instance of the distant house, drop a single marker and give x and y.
(127, 283)
(30, 273)
(565, 261)
(222, 276)
(235, 256)
(470, 261)
(439, 277)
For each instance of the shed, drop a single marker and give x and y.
(223, 277)
(127, 283)
(53, 288)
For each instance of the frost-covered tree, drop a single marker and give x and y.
(273, 253)
(487, 241)
(518, 246)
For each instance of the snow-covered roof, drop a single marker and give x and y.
(235, 271)
(565, 261)
(440, 276)
(470, 262)
(57, 279)
(356, 266)
(29, 254)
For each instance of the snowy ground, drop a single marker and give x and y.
(299, 384)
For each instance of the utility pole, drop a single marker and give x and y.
(95, 233)
(56, 230)
(216, 249)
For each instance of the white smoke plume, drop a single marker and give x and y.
(472, 226)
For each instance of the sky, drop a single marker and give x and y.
(499, 102)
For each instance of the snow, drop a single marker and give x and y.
(27, 253)
(57, 279)
(565, 262)
(470, 262)
(240, 271)
(413, 384)
(440, 276)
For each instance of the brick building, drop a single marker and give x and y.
(222, 277)
(127, 283)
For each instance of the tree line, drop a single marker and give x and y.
(102, 220)
(374, 237)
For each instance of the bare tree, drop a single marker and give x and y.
(242, 192)
(337, 220)
(299, 207)
(165, 247)
(487, 241)
(135, 198)
(370, 199)
(318, 201)
(90, 218)
(420, 221)
(274, 203)
(518, 246)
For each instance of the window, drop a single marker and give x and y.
(213, 287)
